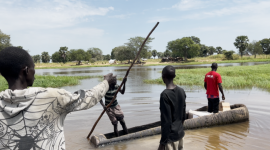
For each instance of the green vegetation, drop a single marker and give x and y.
(51, 81)
(232, 77)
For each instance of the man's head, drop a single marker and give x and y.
(168, 73)
(16, 63)
(214, 66)
(114, 81)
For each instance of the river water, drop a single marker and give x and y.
(140, 105)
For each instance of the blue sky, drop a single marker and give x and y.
(40, 25)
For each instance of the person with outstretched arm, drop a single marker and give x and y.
(212, 83)
(33, 117)
(173, 112)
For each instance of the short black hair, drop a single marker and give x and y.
(214, 65)
(12, 60)
(168, 72)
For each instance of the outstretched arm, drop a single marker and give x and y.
(221, 90)
(83, 99)
(124, 87)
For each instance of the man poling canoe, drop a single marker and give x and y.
(119, 88)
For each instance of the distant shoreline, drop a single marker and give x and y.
(154, 62)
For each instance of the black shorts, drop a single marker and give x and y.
(213, 105)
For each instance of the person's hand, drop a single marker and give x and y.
(161, 147)
(109, 78)
(125, 80)
(223, 97)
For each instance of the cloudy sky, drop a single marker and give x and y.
(40, 25)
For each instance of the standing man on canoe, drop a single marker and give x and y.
(33, 118)
(173, 112)
(115, 112)
(212, 82)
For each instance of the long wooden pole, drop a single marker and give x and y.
(122, 82)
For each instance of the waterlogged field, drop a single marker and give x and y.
(232, 77)
(51, 81)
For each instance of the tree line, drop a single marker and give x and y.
(64, 55)
(186, 47)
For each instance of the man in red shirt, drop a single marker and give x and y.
(212, 82)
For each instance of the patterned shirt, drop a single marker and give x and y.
(33, 118)
(109, 96)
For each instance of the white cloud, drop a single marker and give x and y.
(17, 15)
(184, 5)
(122, 16)
(243, 10)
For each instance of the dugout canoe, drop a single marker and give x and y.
(238, 113)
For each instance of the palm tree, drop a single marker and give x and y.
(45, 57)
(63, 51)
(154, 53)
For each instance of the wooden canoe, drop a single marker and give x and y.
(238, 113)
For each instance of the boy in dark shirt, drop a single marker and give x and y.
(114, 112)
(173, 111)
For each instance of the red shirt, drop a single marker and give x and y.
(212, 79)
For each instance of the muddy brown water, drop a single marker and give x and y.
(140, 105)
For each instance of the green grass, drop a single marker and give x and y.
(232, 77)
(51, 81)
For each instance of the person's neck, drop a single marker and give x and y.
(17, 84)
(214, 70)
(170, 85)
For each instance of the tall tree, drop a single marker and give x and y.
(219, 50)
(184, 47)
(196, 39)
(4, 40)
(63, 53)
(159, 54)
(241, 42)
(123, 53)
(135, 43)
(265, 44)
(56, 57)
(45, 57)
(254, 48)
(203, 51)
(212, 50)
(95, 53)
(154, 53)
(36, 58)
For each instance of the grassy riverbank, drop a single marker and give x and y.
(157, 62)
(232, 77)
(51, 81)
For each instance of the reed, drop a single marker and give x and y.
(51, 81)
(232, 77)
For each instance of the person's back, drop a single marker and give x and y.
(173, 112)
(173, 116)
(212, 83)
(212, 79)
(33, 118)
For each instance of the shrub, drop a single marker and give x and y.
(228, 55)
